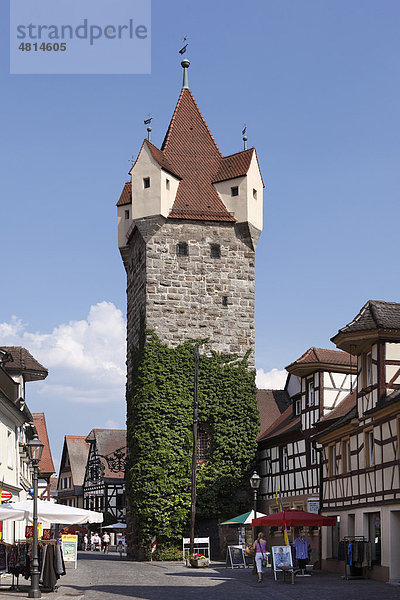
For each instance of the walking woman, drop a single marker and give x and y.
(260, 548)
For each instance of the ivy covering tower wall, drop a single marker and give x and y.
(159, 428)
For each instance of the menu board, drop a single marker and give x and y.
(236, 556)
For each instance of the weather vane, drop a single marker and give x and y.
(148, 123)
(244, 131)
(185, 45)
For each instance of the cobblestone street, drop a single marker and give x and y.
(100, 577)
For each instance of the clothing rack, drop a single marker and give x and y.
(358, 564)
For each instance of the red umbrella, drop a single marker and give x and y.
(297, 518)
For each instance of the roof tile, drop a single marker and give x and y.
(46, 465)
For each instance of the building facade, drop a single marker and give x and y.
(361, 456)
(289, 464)
(104, 482)
(17, 367)
(72, 470)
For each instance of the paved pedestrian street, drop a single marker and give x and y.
(107, 577)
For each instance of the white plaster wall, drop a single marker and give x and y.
(392, 351)
(244, 206)
(123, 224)
(150, 201)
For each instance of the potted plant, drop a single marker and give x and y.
(199, 560)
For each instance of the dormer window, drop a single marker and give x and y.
(254, 194)
(182, 249)
(215, 251)
(235, 191)
(146, 182)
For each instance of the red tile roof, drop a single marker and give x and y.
(126, 195)
(191, 150)
(23, 362)
(235, 165)
(323, 356)
(46, 465)
(160, 157)
(285, 423)
(271, 403)
(190, 153)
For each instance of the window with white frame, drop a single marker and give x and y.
(284, 458)
(369, 448)
(310, 393)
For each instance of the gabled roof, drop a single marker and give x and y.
(286, 423)
(126, 194)
(23, 362)
(271, 404)
(78, 451)
(107, 442)
(321, 358)
(46, 465)
(160, 157)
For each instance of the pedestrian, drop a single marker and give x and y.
(106, 542)
(260, 548)
(85, 542)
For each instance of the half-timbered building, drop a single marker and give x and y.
(361, 451)
(288, 461)
(72, 470)
(104, 483)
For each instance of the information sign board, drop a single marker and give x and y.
(69, 545)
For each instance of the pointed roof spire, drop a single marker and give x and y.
(185, 64)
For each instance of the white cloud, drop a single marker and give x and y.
(271, 380)
(85, 359)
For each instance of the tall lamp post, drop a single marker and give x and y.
(255, 481)
(35, 449)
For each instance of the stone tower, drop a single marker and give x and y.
(188, 225)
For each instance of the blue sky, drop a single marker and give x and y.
(317, 83)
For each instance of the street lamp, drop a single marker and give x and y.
(35, 450)
(255, 481)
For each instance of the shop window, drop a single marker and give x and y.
(374, 526)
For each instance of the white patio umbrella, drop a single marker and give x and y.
(115, 526)
(50, 512)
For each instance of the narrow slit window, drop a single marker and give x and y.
(224, 300)
(235, 191)
(215, 251)
(146, 182)
(254, 194)
(167, 185)
(127, 214)
(182, 249)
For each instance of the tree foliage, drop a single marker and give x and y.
(159, 425)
